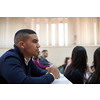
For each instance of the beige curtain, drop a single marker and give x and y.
(76, 30)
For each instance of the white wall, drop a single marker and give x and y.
(57, 54)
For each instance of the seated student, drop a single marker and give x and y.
(62, 67)
(68, 63)
(37, 62)
(78, 67)
(16, 65)
(92, 67)
(43, 59)
(88, 73)
(95, 76)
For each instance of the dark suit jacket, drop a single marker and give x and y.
(13, 70)
(45, 61)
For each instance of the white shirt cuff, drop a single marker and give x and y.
(52, 75)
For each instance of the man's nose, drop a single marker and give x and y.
(38, 45)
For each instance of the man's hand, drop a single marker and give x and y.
(54, 71)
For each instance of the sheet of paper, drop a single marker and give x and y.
(61, 80)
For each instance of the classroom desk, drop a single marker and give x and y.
(61, 80)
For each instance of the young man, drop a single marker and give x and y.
(43, 59)
(16, 65)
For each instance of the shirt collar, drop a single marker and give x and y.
(27, 61)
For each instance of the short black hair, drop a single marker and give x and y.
(44, 51)
(20, 35)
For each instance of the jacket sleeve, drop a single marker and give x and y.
(14, 73)
(45, 62)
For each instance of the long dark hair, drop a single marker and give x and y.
(79, 60)
(66, 59)
(95, 78)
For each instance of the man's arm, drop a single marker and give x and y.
(14, 73)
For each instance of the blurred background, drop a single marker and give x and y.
(58, 35)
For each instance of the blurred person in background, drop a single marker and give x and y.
(77, 69)
(43, 59)
(62, 67)
(36, 60)
(95, 76)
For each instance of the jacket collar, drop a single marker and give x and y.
(19, 52)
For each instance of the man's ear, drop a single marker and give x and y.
(21, 44)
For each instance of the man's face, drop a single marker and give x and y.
(31, 46)
(45, 54)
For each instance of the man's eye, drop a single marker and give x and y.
(35, 41)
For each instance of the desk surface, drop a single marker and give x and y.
(61, 80)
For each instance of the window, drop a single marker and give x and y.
(66, 34)
(47, 34)
(95, 36)
(61, 34)
(38, 30)
(53, 31)
(53, 34)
